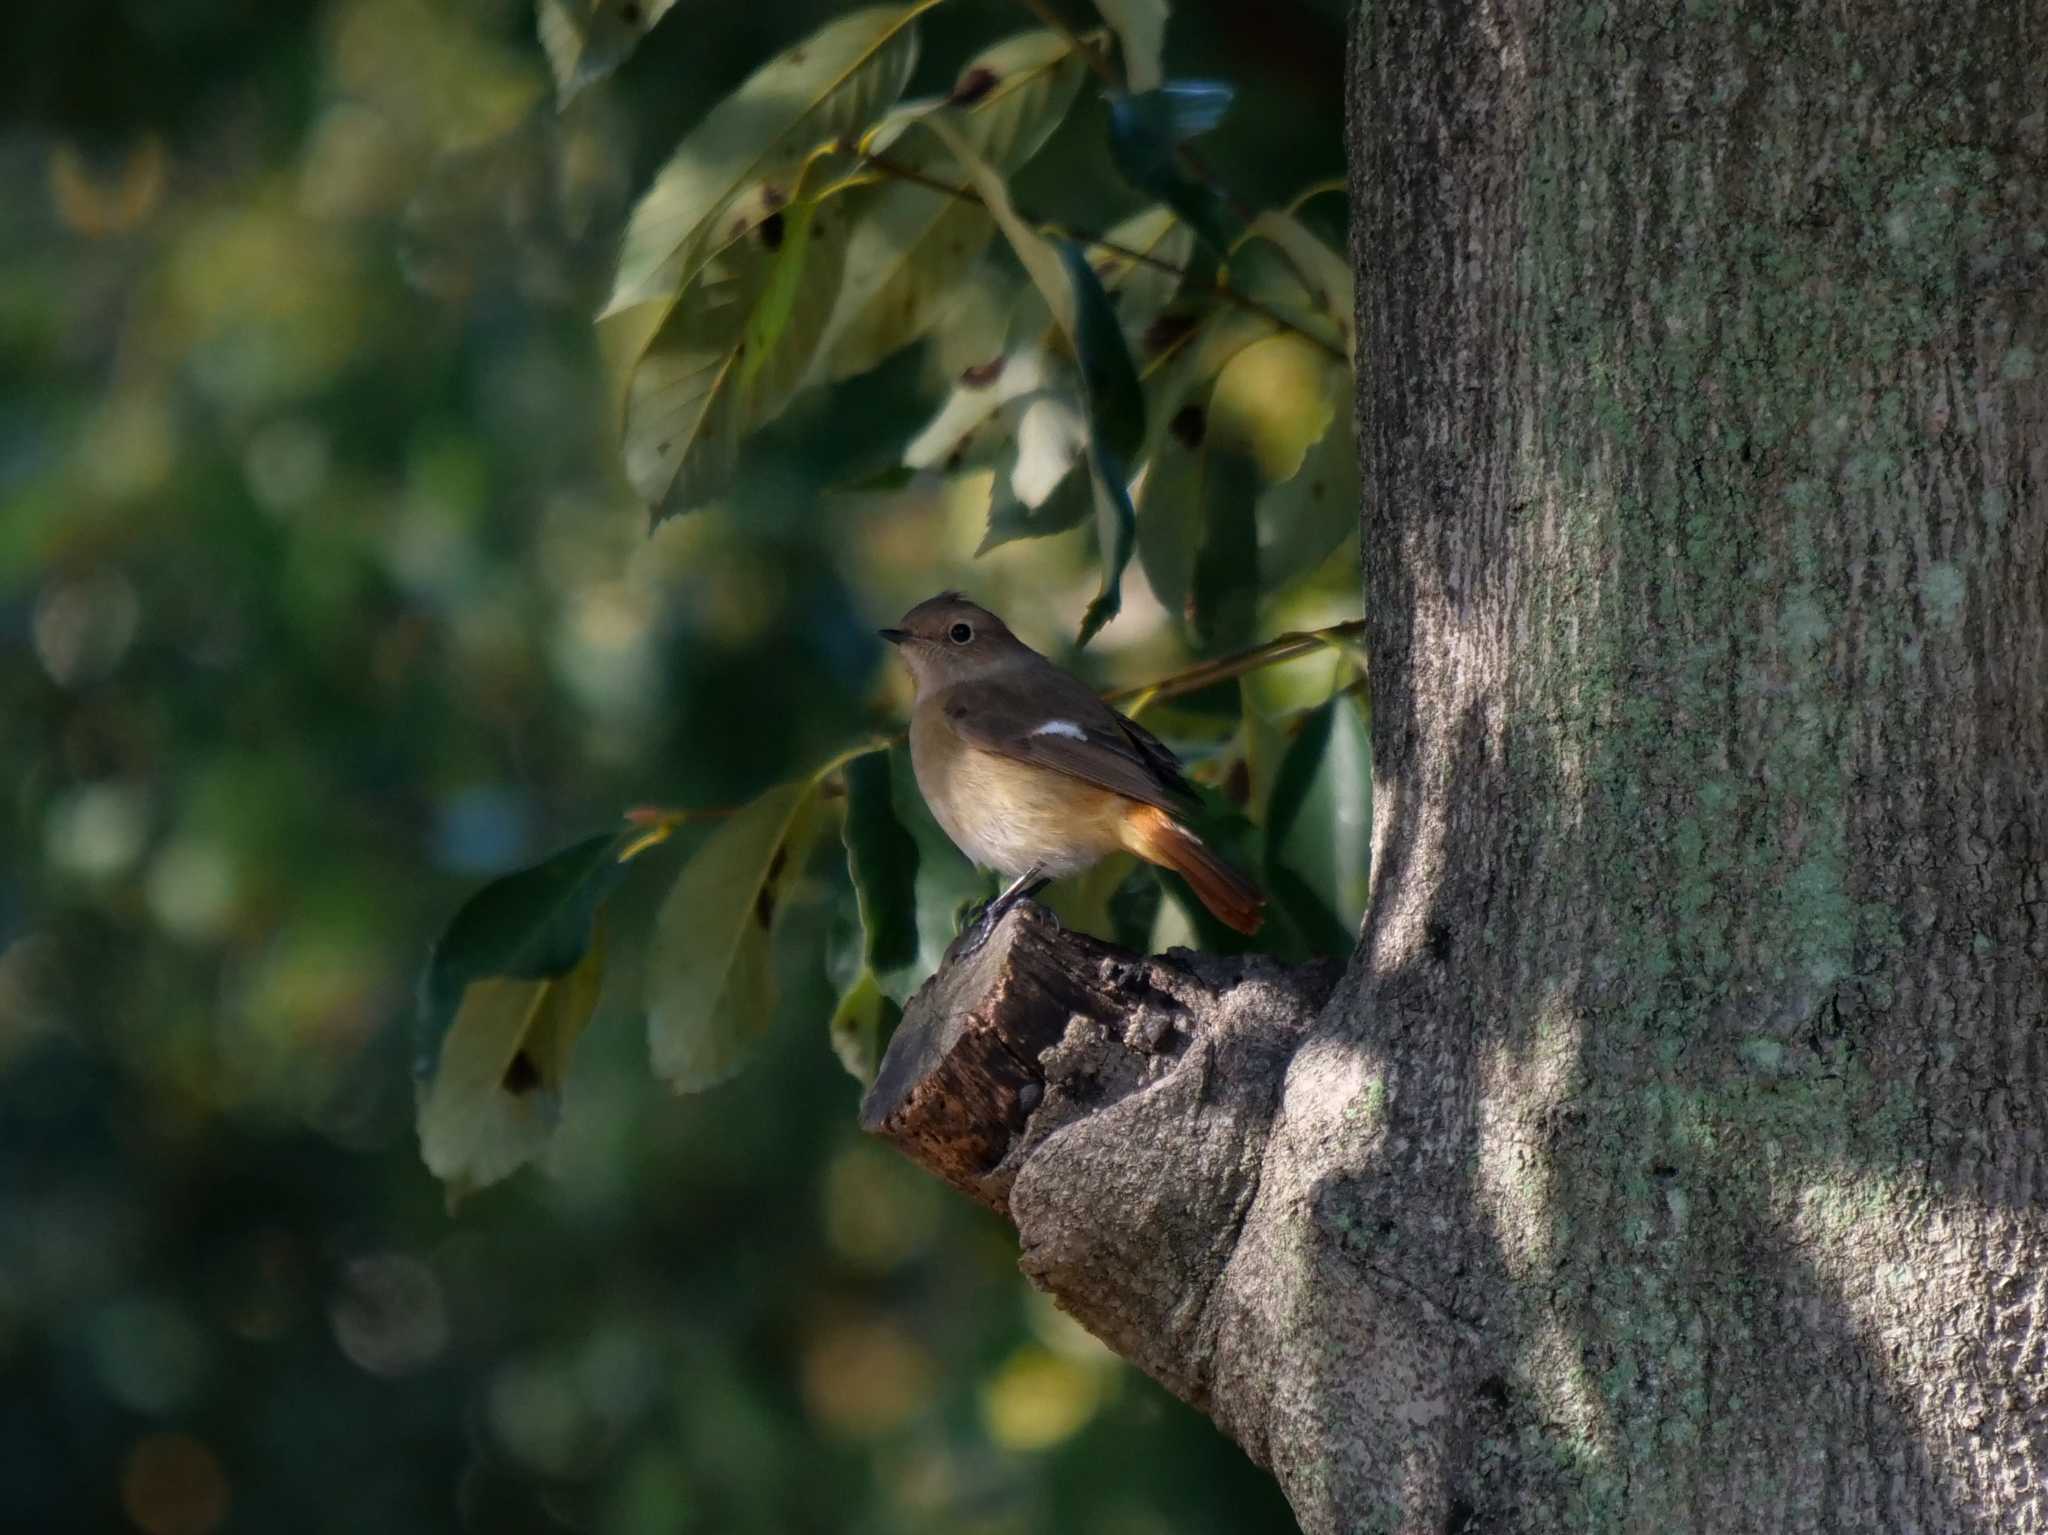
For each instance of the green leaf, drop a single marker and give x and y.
(509, 986)
(495, 1097)
(1116, 430)
(882, 859)
(947, 884)
(1143, 290)
(1324, 274)
(710, 983)
(1319, 825)
(1140, 27)
(964, 434)
(1306, 516)
(987, 410)
(913, 247)
(861, 1025)
(1041, 262)
(586, 40)
(1034, 492)
(831, 85)
(731, 353)
(1146, 130)
(1221, 446)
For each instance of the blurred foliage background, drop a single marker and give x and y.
(323, 598)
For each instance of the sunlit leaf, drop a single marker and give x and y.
(861, 1025)
(914, 246)
(831, 85)
(586, 40)
(1218, 448)
(710, 983)
(1146, 130)
(882, 859)
(994, 401)
(959, 436)
(1319, 825)
(1041, 262)
(1325, 274)
(1140, 27)
(509, 987)
(1309, 514)
(1035, 492)
(732, 352)
(1143, 289)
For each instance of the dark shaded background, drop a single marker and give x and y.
(321, 599)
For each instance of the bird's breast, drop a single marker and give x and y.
(1007, 815)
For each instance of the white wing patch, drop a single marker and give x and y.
(1060, 728)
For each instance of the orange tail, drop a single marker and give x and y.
(1158, 838)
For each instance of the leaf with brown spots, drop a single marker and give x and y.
(732, 352)
(710, 979)
(836, 83)
(914, 246)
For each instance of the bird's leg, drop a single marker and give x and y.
(1024, 886)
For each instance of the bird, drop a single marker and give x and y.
(1032, 775)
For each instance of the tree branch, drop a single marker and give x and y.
(1115, 1108)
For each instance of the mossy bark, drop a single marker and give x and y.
(1670, 1157)
(1679, 1130)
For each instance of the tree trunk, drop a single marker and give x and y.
(1670, 1156)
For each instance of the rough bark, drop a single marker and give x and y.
(1670, 1156)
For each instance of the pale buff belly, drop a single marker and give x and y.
(1009, 816)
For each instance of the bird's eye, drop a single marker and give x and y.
(960, 634)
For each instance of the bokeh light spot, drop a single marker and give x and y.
(172, 1484)
(149, 1354)
(880, 1212)
(191, 890)
(82, 628)
(1038, 1399)
(388, 1314)
(862, 1377)
(97, 831)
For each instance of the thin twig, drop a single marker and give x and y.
(1284, 647)
(1222, 290)
(657, 821)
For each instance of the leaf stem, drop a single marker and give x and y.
(1222, 290)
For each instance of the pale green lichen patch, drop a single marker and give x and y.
(1941, 590)
(2017, 364)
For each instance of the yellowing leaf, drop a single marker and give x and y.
(710, 984)
(1273, 400)
(831, 85)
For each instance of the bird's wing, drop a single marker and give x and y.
(1062, 726)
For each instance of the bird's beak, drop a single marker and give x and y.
(894, 636)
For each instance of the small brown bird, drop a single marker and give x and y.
(1034, 776)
